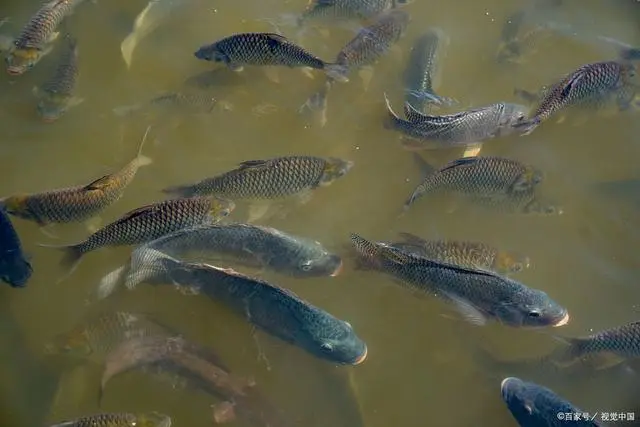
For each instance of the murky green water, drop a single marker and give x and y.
(420, 370)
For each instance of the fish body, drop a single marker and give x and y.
(175, 101)
(464, 253)
(269, 179)
(36, 38)
(479, 294)
(150, 419)
(533, 405)
(15, 269)
(345, 9)
(492, 178)
(423, 73)
(275, 310)
(75, 203)
(451, 130)
(151, 222)
(57, 93)
(592, 85)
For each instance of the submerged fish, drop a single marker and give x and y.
(270, 179)
(149, 419)
(175, 101)
(275, 310)
(346, 9)
(591, 85)
(533, 405)
(148, 223)
(57, 94)
(75, 203)
(15, 269)
(478, 294)
(464, 253)
(243, 49)
(36, 39)
(466, 128)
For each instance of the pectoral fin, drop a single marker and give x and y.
(468, 311)
(472, 150)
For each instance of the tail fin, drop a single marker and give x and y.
(146, 265)
(528, 126)
(127, 47)
(180, 191)
(141, 159)
(337, 72)
(392, 117)
(110, 282)
(70, 259)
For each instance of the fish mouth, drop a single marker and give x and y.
(49, 119)
(13, 71)
(362, 357)
(562, 321)
(338, 270)
(505, 383)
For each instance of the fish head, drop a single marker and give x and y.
(220, 208)
(52, 106)
(22, 59)
(530, 308)
(527, 180)
(531, 404)
(74, 343)
(212, 53)
(541, 207)
(153, 419)
(510, 262)
(513, 115)
(334, 169)
(322, 265)
(335, 340)
(17, 205)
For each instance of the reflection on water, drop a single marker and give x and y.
(421, 367)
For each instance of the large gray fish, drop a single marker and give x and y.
(346, 9)
(478, 294)
(148, 223)
(466, 128)
(269, 179)
(243, 49)
(149, 419)
(590, 85)
(533, 405)
(275, 310)
(423, 73)
(15, 268)
(174, 102)
(37, 37)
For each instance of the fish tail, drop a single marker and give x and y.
(392, 118)
(573, 348)
(127, 47)
(528, 126)
(126, 109)
(141, 159)
(71, 257)
(337, 72)
(180, 191)
(110, 282)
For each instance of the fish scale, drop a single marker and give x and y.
(152, 419)
(348, 9)
(623, 340)
(64, 79)
(43, 24)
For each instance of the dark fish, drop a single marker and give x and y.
(75, 203)
(481, 177)
(148, 223)
(264, 49)
(592, 85)
(175, 102)
(422, 75)
(36, 39)
(478, 294)
(57, 93)
(346, 9)
(455, 130)
(533, 405)
(270, 179)
(244, 244)
(464, 254)
(149, 419)
(15, 269)
(275, 310)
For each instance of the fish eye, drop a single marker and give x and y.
(534, 314)
(306, 266)
(327, 347)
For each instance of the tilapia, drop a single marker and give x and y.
(178, 102)
(15, 268)
(423, 72)
(591, 85)
(346, 9)
(478, 294)
(243, 244)
(57, 94)
(37, 37)
(154, 14)
(268, 49)
(273, 309)
(149, 419)
(76, 203)
(464, 253)
(148, 223)
(533, 405)
(464, 129)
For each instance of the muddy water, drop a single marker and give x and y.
(421, 368)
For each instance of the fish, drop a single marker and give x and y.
(37, 37)
(491, 178)
(57, 94)
(275, 310)
(269, 49)
(345, 9)
(147, 223)
(269, 179)
(15, 267)
(479, 295)
(533, 405)
(370, 44)
(175, 101)
(97, 334)
(244, 244)
(152, 16)
(463, 129)
(149, 419)
(590, 85)
(464, 253)
(78, 203)
(423, 72)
